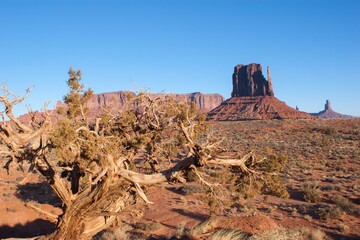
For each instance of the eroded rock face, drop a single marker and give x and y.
(109, 100)
(248, 81)
(328, 105)
(205, 102)
(114, 101)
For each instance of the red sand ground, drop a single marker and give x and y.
(325, 152)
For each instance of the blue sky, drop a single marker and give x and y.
(182, 46)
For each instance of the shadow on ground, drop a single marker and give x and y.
(30, 229)
(198, 216)
(39, 192)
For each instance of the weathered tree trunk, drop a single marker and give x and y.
(90, 213)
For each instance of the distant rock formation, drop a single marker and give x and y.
(255, 108)
(253, 98)
(249, 81)
(110, 100)
(205, 102)
(328, 106)
(329, 113)
(116, 100)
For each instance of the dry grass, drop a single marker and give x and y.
(346, 205)
(278, 234)
(116, 234)
(312, 192)
(204, 227)
(228, 234)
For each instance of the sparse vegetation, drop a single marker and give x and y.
(312, 192)
(116, 234)
(325, 212)
(100, 166)
(346, 205)
(269, 183)
(209, 227)
(229, 234)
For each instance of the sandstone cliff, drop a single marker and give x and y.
(248, 80)
(205, 102)
(116, 100)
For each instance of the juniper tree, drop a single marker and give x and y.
(98, 166)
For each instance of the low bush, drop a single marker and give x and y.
(346, 205)
(312, 192)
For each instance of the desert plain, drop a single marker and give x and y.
(321, 174)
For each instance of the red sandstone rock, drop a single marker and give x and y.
(255, 108)
(253, 98)
(205, 102)
(114, 101)
(248, 80)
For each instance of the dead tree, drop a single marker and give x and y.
(98, 167)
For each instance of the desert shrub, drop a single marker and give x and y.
(325, 212)
(229, 234)
(181, 232)
(329, 131)
(325, 141)
(270, 181)
(116, 234)
(346, 205)
(205, 226)
(312, 192)
(291, 234)
(343, 228)
(277, 234)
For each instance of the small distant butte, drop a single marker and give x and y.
(329, 113)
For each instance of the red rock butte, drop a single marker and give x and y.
(253, 98)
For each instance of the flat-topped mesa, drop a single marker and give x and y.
(248, 81)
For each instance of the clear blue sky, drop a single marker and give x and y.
(312, 47)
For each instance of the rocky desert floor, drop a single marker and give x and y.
(321, 174)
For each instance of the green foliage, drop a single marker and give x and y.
(61, 139)
(77, 96)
